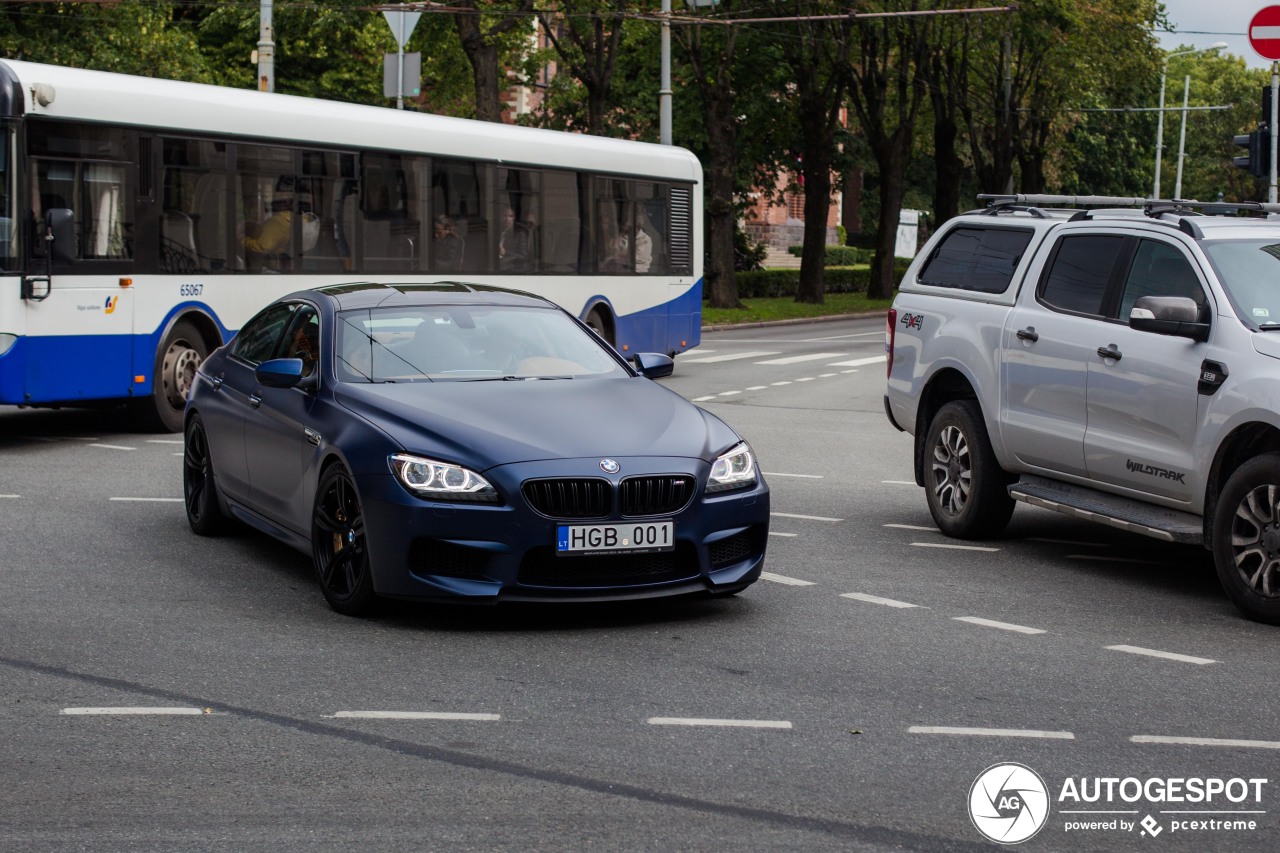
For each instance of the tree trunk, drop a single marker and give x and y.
(721, 276)
(851, 202)
(483, 55)
(817, 207)
(948, 170)
(893, 186)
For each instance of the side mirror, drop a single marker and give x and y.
(653, 365)
(60, 231)
(279, 372)
(1169, 315)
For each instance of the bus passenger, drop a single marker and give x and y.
(447, 244)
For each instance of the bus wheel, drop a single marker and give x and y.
(599, 324)
(179, 357)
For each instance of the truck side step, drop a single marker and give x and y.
(1133, 516)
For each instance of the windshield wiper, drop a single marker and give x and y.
(514, 378)
(1268, 327)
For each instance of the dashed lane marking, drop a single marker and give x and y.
(164, 441)
(827, 375)
(133, 712)
(1207, 741)
(806, 379)
(804, 476)
(729, 393)
(784, 382)
(697, 721)
(703, 399)
(414, 715)
(1003, 626)
(1156, 653)
(151, 500)
(11, 497)
(912, 527)
(953, 547)
(113, 447)
(976, 732)
(733, 356)
(784, 535)
(805, 517)
(758, 388)
(859, 362)
(783, 579)
(899, 482)
(875, 599)
(797, 359)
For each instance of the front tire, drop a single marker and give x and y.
(339, 549)
(965, 486)
(199, 487)
(599, 324)
(1246, 538)
(179, 357)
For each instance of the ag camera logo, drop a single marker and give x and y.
(1008, 803)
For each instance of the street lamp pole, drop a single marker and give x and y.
(1182, 137)
(1164, 72)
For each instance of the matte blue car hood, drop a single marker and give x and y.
(482, 424)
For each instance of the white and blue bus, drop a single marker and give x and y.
(142, 221)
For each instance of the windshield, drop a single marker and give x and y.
(1250, 272)
(8, 231)
(467, 343)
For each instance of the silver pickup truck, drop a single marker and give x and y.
(1117, 363)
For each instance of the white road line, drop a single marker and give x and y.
(729, 393)
(783, 579)
(10, 496)
(413, 715)
(785, 382)
(703, 399)
(953, 547)
(851, 370)
(805, 517)
(786, 535)
(960, 730)
(805, 476)
(1099, 559)
(695, 721)
(827, 375)
(859, 362)
(899, 482)
(875, 599)
(113, 447)
(805, 379)
(164, 441)
(758, 388)
(1207, 741)
(733, 356)
(132, 712)
(1003, 626)
(797, 359)
(150, 500)
(1066, 542)
(1156, 653)
(913, 527)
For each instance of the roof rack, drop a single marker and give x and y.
(1150, 206)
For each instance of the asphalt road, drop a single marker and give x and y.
(869, 679)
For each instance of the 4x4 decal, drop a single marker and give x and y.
(912, 321)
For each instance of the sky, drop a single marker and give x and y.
(1200, 23)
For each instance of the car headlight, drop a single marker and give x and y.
(441, 481)
(734, 469)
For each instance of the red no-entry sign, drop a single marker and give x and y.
(1264, 33)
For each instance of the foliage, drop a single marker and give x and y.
(767, 309)
(786, 282)
(840, 255)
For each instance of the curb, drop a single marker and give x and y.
(797, 321)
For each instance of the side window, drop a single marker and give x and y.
(1159, 269)
(1077, 277)
(981, 259)
(193, 225)
(302, 340)
(260, 337)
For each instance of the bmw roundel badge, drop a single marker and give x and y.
(609, 466)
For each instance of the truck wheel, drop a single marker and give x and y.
(1246, 538)
(601, 326)
(966, 488)
(176, 363)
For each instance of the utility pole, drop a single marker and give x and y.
(664, 89)
(266, 49)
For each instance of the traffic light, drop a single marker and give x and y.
(1258, 160)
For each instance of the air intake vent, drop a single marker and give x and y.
(661, 495)
(581, 498)
(681, 252)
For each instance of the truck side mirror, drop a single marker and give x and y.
(1169, 315)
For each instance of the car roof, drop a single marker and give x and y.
(371, 294)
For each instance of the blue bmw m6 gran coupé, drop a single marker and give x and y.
(461, 442)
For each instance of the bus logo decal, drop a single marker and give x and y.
(110, 304)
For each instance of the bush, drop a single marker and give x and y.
(774, 283)
(839, 256)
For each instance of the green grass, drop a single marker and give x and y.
(760, 310)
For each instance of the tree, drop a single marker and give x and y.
(586, 36)
(485, 39)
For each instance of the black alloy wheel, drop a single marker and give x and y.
(199, 488)
(1246, 538)
(338, 546)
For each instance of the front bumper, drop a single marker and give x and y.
(486, 553)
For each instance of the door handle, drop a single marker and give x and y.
(255, 400)
(1109, 351)
(217, 382)
(1028, 334)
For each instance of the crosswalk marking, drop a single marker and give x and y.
(733, 356)
(858, 362)
(796, 359)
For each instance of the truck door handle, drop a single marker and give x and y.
(1109, 352)
(1028, 334)
(255, 400)
(217, 382)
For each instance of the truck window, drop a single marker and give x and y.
(1078, 274)
(981, 259)
(1159, 270)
